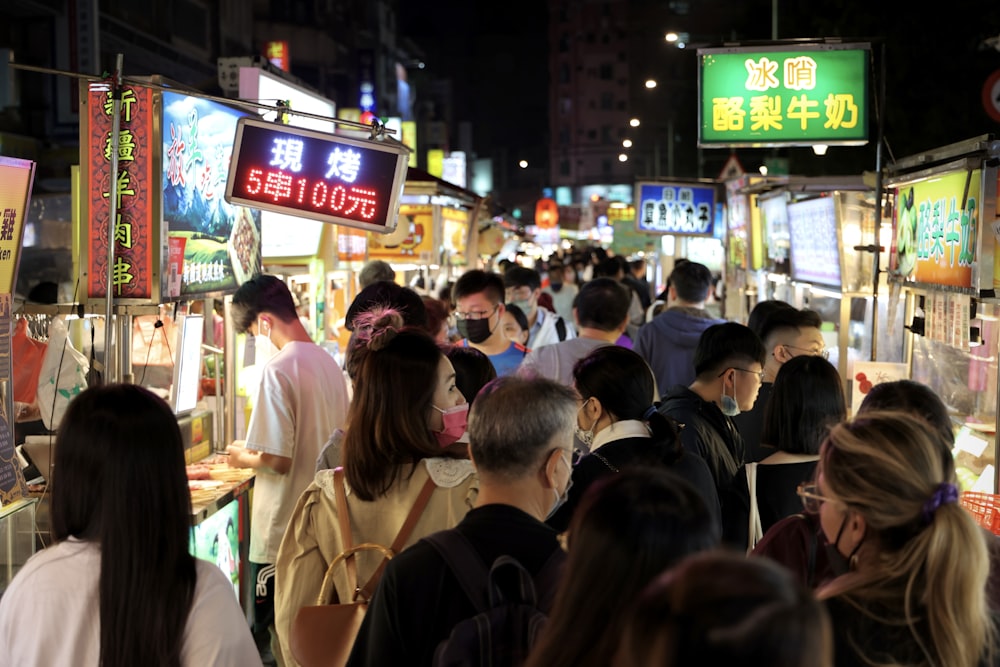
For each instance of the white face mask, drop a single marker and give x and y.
(561, 498)
(585, 436)
(264, 349)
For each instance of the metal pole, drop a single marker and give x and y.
(116, 97)
(878, 200)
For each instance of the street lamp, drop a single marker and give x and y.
(634, 122)
(627, 143)
(650, 83)
(523, 164)
(622, 157)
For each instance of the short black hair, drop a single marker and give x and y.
(788, 319)
(602, 303)
(473, 370)
(521, 276)
(262, 293)
(609, 268)
(691, 281)
(762, 311)
(722, 345)
(476, 281)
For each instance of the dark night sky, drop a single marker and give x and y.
(497, 56)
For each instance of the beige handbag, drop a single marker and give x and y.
(323, 635)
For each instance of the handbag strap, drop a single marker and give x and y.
(753, 521)
(365, 592)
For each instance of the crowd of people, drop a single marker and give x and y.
(668, 486)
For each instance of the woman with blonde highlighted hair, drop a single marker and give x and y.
(914, 563)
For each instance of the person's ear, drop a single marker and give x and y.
(780, 353)
(592, 410)
(672, 293)
(551, 468)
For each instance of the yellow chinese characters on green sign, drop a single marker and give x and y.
(763, 97)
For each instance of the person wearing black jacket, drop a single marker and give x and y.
(729, 363)
(623, 429)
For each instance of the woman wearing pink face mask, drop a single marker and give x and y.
(401, 443)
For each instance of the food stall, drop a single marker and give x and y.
(946, 222)
(176, 242)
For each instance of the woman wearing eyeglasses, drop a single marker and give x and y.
(913, 563)
(806, 400)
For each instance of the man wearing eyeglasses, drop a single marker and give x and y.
(728, 364)
(786, 333)
(478, 296)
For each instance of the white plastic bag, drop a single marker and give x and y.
(63, 375)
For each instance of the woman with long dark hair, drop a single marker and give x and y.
(621, 427)
(402, 437)
(119, 587)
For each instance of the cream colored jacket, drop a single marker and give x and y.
(313, 537)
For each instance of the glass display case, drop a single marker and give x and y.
(17, 537)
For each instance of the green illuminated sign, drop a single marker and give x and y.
(774, 96)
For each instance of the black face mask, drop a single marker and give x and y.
(839, 563)
(477, 331)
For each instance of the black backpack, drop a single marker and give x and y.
(509, 614)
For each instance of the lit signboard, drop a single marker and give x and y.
(683, 209)
(936, 228)
(815, 241)
(782, 95)
(213, 247)
(315, 175)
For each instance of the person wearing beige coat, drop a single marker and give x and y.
(313, 538)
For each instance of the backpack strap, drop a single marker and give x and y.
(548, 578)
(465, 563)
(561, 327)
(365, 592)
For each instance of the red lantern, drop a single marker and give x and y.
(546, 213)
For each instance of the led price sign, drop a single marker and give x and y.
(331, 178)
(783, 95)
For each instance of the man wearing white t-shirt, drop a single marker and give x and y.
(302, 399)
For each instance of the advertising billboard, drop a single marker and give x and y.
(682, 209)
(213, 246)
(783, 95)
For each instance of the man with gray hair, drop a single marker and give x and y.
(374, 271)
(521, 442)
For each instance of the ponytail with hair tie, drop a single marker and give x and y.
(945, 494)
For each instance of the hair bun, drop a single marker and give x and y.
(378, 326)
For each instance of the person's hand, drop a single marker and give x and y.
(237, 454)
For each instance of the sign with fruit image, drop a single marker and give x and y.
(936, 228)
(867, 374)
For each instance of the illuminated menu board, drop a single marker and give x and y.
(815, 243)
(780, 95)
(682, 209)
(315, 175)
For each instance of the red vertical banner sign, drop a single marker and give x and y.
(132, 274)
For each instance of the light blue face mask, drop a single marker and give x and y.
(730, 407)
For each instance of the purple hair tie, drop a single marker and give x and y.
(944, 494)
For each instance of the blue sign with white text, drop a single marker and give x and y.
(683, 209)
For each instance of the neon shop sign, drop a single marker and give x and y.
(315, 175)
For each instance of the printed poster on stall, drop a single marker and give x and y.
(867, 374)
(936, 222)
(133, 235)
(417, 246)
(455, 228)
(213, 246)
(12, 484)
(16, 178)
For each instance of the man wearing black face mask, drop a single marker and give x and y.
(478, 297)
